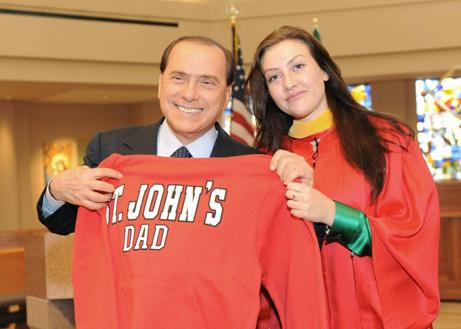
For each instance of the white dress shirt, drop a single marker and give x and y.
(167, 142)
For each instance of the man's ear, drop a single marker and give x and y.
(229, 92)
(228, 96)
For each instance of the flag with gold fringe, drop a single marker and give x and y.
(242, 127)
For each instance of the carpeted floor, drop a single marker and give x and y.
(449, 317)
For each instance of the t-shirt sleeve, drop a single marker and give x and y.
(291, 267)
(92, 275)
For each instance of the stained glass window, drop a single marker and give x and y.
(362, 94)
(438, 108)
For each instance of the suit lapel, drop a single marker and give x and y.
(143, 141)
(223, 146)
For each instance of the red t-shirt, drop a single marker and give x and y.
(187, 243)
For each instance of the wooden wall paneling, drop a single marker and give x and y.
(450, 240)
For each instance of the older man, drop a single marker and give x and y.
(194, 88)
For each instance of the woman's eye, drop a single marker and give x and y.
(299, 66)
(273, 77)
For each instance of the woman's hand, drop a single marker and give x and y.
(310, 204)
(290, 166)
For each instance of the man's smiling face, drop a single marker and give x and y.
(192, 90)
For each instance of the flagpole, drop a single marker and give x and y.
(241, 120)
(232, 12)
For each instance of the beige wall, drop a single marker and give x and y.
(385, 42)
(9, 191)
(25, 127)
(368, 38)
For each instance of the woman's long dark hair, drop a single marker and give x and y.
(361, 142)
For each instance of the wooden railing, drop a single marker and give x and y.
(12, 275)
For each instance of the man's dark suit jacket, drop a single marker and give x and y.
(126, 141)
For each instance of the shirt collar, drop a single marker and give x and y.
(167, 142)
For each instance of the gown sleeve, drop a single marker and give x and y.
(405, 224)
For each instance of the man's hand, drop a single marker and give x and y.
(290, 166)
(81, 186)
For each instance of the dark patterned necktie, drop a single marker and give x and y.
(181, 152)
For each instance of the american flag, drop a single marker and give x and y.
(242, 126)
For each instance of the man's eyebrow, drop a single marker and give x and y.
(211, 77)
(177, 72)
(201, 76)
(289, 62)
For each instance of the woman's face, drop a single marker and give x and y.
(295, 81)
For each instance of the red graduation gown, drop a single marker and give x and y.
(398, 286)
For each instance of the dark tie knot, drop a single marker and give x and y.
(181, 152)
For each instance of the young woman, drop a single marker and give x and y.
(359, 176)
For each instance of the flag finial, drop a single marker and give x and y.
(232, 11)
